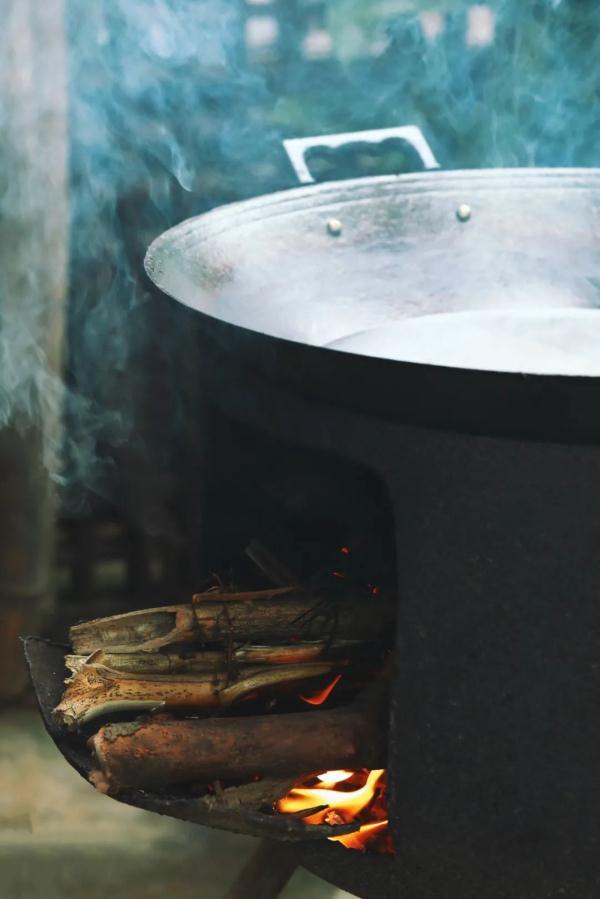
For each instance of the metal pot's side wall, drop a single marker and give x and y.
(495, 716)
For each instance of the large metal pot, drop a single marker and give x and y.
(424, 297)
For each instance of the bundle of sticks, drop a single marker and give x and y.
(221, 685)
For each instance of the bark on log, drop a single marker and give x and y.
(158, 753)
(270, 615)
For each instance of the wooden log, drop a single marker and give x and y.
(258, 794)
(192, 661)
(293, 653)
(156, 753)
(94, 690)
(270, 615)
(211, 812)
(189, 662)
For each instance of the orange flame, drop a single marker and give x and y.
(360, 838)
(320, 697)
(347, 796)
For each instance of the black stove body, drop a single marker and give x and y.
(494, 765)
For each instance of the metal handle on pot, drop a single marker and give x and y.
(297, 147)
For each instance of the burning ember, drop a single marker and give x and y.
(341, 798)
(320, 697)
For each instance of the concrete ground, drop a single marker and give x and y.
(59, 839)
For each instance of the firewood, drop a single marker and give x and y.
(95, 690)
(151, 754)
(210, 811)
(292, 653)
(268, 615)
(185, 662)
(273, 679)
(191, 661)
(145, 630)
(257, 794)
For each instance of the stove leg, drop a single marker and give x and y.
(266, 873)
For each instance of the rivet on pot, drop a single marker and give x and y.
(334, 227)
(463, 213)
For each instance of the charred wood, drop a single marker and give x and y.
(210, 811)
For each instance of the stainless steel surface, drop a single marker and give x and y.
(335, 227)
(269, 265)
(297, 147)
